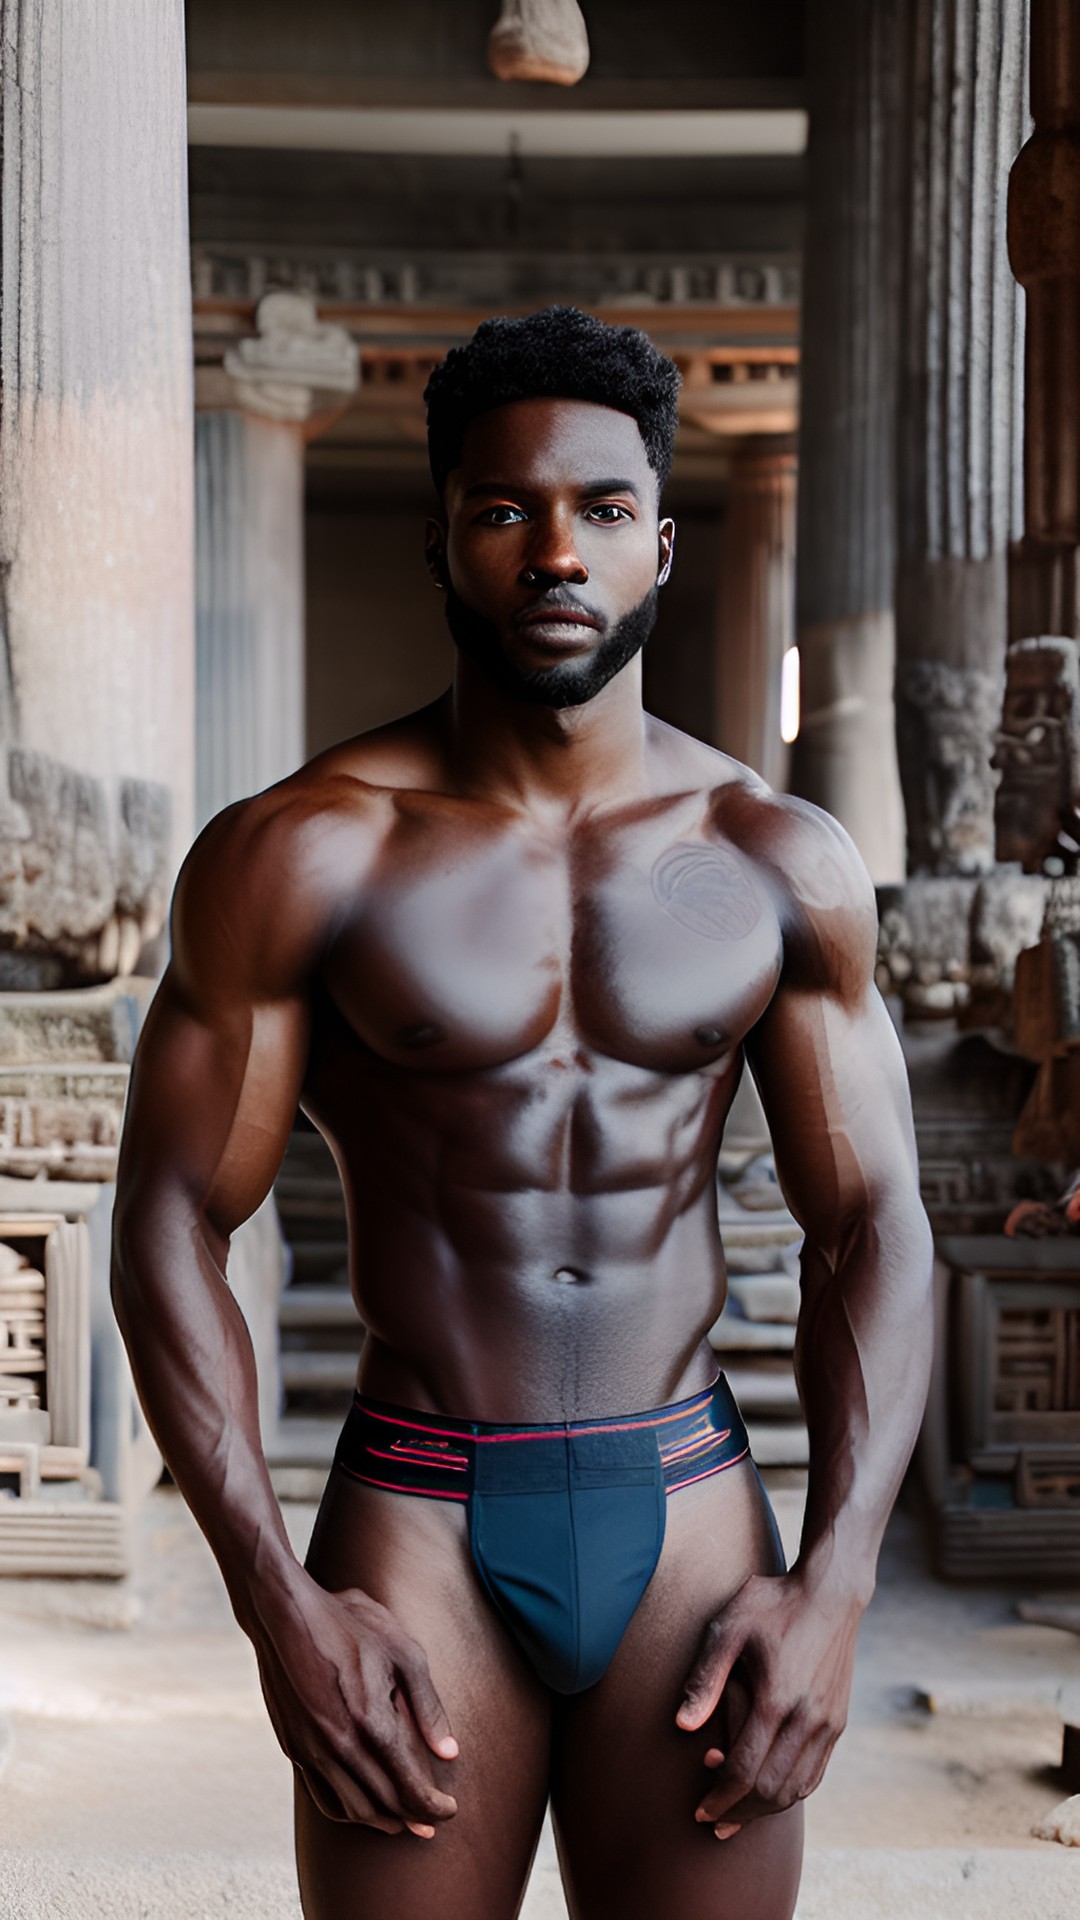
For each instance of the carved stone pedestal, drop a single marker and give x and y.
(75, 1456)
(1004, 1475)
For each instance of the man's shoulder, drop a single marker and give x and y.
(806, 851)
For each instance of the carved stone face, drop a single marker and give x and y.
(1036, 750)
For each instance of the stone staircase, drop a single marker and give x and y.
(321, 1334)
(320, 1330)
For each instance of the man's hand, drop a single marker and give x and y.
(796, 1651)
(353, 1706)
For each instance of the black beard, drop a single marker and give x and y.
(569, 685)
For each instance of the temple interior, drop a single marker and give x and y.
(236, 238)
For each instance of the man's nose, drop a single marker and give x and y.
(553, 556)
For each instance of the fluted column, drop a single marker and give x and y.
(97, 646)
(959, 495)
(249, 485)
(845, 756)
(249, 502)
(756, 607)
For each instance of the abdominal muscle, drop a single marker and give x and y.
(584, 1292)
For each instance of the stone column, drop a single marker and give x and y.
(249, 484)
(96, 657)
(845, 756)
(959, 421)
(756, 606)
(249, 599)
(96, 662)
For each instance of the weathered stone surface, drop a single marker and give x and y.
(945, 719)
(1038, 752)
(539, 40)
(83, 880)
(96, 678)
(959, 421)
(91, 1025)
(924, 945)
(1062, 1823)
(61, 1121)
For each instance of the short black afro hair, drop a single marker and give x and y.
(558, 354)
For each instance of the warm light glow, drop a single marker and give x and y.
(789, 696)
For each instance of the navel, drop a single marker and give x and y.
(569, 1276)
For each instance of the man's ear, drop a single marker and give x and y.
(435, 554)
(667, 551)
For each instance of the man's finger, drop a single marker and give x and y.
(427, 1709)
(720, 1648)
(345, 1802)
(403, 1761)
(738, 1775)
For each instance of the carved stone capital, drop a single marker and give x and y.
(296, 364)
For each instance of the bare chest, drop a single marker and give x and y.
(468, 952)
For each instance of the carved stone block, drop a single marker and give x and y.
(1038, 751)
(84, 875)
(61, 1121)
(945, 716)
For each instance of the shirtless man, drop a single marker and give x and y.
(510, 954)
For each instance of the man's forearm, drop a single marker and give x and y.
(863, 1353)
(194, 1368)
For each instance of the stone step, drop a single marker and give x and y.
(303, 1371)
(779, 1443)
(314, 1307)
(733, 1334)
(766, 1296)
(763, 1386)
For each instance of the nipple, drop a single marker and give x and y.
(568, 1276)
(708, 1036)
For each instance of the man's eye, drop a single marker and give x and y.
(607, 513)
(501, 516)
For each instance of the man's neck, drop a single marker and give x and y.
(547, 759)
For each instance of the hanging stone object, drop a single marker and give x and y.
(539, 40)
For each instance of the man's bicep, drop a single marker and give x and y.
(213, 1096)
(832, 1082)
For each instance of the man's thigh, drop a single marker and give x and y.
(626, 1780)
(412, 1556)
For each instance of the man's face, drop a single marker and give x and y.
(551, 553)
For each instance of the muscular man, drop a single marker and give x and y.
(511, 953)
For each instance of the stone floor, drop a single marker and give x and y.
(139, 1777)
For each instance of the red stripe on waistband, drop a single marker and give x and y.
(415, 1457)
(720, 1467)
(395, 1486)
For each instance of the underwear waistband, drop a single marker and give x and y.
(434, 1455)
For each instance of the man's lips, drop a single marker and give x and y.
(558, 617)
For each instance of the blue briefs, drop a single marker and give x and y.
(566, 1521)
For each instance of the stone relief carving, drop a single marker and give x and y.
(539, 40)
(945, 716)
(344, 279)
(1038, 754)
(84, 878)
(296, 363)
